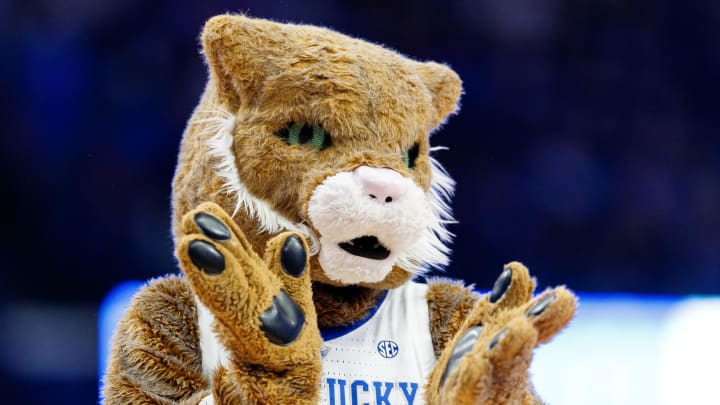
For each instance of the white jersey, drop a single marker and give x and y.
(384, 359)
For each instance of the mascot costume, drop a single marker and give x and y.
(305, 202)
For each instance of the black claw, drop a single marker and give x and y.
(283, 321)
(464, 345)
(497, 339)
(206, 257)
(540, 306)
(212, 227)
(293, 256)
(501, 285)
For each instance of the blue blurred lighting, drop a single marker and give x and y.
(624, 349)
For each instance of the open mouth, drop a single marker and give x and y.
(366, 246)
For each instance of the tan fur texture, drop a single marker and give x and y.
(498, 374)
(375, 104)
(155, 356)
(449, 303)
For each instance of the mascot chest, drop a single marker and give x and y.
(382, 359)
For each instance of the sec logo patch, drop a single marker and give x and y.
(388, 348)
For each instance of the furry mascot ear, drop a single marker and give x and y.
(239, 53)
(242, 52)
(445, 87)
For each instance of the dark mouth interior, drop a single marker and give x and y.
(366, 246)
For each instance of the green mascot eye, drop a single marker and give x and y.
(318, 137)
(410, 156)
(294, 134)
(297, 134)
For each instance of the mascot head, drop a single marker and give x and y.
(304, 129)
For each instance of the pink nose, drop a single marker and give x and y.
(381, 185)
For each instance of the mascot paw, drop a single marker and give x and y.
(263, 307)
(488, 361)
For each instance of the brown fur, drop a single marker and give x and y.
(375, 104)
(339, 306)
(449, 303)
(499, 375)
(155, 351)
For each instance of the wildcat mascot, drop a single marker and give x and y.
(304, 202)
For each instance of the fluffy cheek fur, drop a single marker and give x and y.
(340, 211)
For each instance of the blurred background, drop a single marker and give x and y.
(587, 147)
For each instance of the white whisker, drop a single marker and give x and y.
(220, 145)
(432, 249)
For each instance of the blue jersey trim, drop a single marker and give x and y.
(338, 331)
